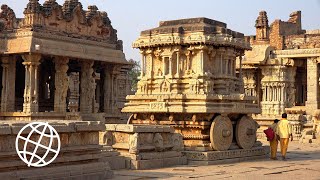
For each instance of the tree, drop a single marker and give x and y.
(134, 74)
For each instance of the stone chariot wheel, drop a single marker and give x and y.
(221, 133)
(246, 131)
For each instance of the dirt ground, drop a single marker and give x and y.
(303, 162)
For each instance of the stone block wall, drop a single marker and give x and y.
(146, 146)
(80, 157)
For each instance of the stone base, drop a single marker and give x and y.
(98, 170)
(156, 160)
(145, 146)
(80, 157)
(116, 161)
(220, 157)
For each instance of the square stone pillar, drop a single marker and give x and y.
(31, 95)
(74, 82)
(312, 103)
(61, 84)
(107, 88)
(87, 85)
(111, 89)
(8, 84)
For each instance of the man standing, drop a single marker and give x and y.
(284, 132)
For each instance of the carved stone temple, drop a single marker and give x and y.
(63, 65)
(282, 71)
(189, 81)
(60, 61)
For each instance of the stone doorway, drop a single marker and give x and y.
(301, 82)
(46, 85)
(20, 84)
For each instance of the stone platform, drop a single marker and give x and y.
(221, 157)
(302, 163)
(80, 157)
(146, 146)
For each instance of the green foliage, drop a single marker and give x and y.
(134, 74)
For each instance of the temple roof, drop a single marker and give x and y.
(191, 31)
(60, 30)
(191, 25)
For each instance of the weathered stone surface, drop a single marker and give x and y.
(188, 79)
(157, 163)
(221, 155)
(77, 147)
(282, 71)
(56, 45)
(146, 147)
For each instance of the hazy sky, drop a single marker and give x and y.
(130, 17)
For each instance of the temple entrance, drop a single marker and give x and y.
(301, 82)
(99, 80)
(20, 84)
(46, 86)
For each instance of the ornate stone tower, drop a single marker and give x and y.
(262, 27)
(189, 79)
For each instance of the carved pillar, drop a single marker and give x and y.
(8, 84)
(312, 85)
(61, 84)
(188, 54)
(115, 91)
(170, 65)
(221, 64)
(107, 89)
(142, 63)
(150, 72)
(164, 66)
(111, 89)
(178, 63)
(201, 60)
(31, 96)
(87, 87)
(74, 82)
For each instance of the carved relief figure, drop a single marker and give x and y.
(158, 142)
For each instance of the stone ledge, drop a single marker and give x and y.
(130, 128)
(156, 163)
(8, 127)
(98, 170)
(224, 155)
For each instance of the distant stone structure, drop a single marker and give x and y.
(63, 65)
(282, 71)
(189, 81)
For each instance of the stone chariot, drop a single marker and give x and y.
(189, 81)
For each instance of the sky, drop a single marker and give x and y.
(130, 17)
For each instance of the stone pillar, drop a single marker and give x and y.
(178, 63)
(170, 66)
(61, 84)
(107, 89)
(188, 64)
(164, 66)
(201, 67)
(87, 87)
(312, 85)
(149, 54)
(31, 96)
(74, 82)
(142, 63)
(8, 84)
(111, 89)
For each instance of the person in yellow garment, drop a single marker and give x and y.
(284, 132)
(274, 141)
